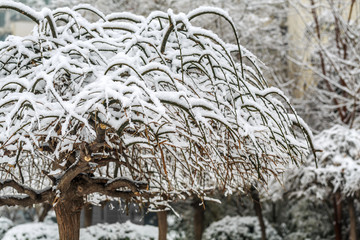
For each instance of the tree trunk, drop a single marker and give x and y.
(257, 207)
(68, 219)
(162, 223)
(199, 217)
(45, 210)
(337, 216)
(88, 212)
(352, 215)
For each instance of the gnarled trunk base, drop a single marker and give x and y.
(68, 219)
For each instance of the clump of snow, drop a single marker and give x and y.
(239, 228)
(5, 225)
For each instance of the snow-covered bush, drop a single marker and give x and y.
(33, 231)
(239, 228)
(337, 168)
(117, 231)
(5, 225)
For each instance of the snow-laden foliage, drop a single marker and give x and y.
(32, 231)
(238, 228)
(129, 106)
(120, 231)
(5, 225)
(338, 165)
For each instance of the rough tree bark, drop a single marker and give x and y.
(162, 223)
(68, 217)
(257, 207)
(199, 217)
(352, 215)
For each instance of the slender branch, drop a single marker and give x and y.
(30, 13)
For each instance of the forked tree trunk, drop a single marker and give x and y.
(257, 207)
(199, 217)
(162, 224)
(337, 216)
(352, 215)
(68, 219)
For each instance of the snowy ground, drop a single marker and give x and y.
(234, 228)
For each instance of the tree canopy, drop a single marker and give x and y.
(135, 108)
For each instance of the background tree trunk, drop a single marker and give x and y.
(88, 212)
(68, 218)
(162, 224)
(337, 216)
(352, 215)
(257, 207)
(199, 217)
(45, 209)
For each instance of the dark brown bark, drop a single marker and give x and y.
(68, 218)
(337, 215)
(352, 216)
(257, 207)
(199, 217)
(162, 224)
(88, 213)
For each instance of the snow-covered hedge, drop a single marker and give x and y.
(33, 231)
(238, 228)
(117, 231)
(5, 225)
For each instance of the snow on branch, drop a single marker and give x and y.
(152, 103)
(338, 166)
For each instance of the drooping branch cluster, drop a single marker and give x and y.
(128, 103)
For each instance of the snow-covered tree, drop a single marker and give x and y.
(142, 109)
(330, 38)
(336, 173)
(331, 30)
